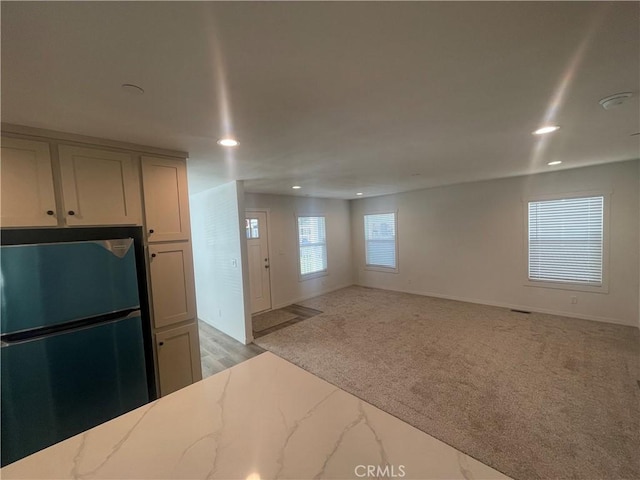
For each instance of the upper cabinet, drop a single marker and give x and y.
(99, 187)
(26, 183)
(95, 187)
(166, 199)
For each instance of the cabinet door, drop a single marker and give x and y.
(172, 284)
(166, 199)
(26, 183)
(99, 187)
(178, 358)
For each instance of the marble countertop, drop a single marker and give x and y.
(262, 419)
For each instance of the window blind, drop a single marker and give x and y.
(380, 239)
(312, 240)
(566, 240)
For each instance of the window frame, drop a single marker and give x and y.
(320, 273)
(577, 287)
(381, 268)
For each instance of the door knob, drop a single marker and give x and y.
(71, 212)
(49, 212)
(151, 230)
(153, 255)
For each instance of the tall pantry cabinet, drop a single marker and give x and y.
(53, 179)
(166, 212)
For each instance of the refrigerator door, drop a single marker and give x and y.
(50, 284)
(57, 386)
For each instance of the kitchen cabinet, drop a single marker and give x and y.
(26, 184)
(57, 179)
(95, 187)
(166, 199)
(178, 355)
(171, 277)
(99, 187)
(172, 283)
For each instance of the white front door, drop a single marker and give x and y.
(258, 253)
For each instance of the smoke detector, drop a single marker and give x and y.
(614, 101)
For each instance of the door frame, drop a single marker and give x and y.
(267, 212)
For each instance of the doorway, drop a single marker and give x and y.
(257, 230)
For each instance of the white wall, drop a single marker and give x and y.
(286, 288)
(467, 242)
(219, 253)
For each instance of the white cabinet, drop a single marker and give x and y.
(26, 183)
(178, 358)
(172, 283)
(99, 187)
(166, 199)
(172, 286)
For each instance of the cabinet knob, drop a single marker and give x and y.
(161, 343)
(153, 255)
(151, 230)
(71, 212)
(49, 212)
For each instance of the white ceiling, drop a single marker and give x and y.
(336, 97)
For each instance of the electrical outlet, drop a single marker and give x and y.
(574, 300)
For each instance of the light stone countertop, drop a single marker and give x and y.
(262, 419)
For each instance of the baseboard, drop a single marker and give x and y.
(307, 297)
(527, 308)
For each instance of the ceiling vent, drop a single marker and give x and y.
(614, 101)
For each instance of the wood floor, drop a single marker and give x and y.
(219, 351)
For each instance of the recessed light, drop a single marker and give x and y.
(359, 194)
(296, 187)
(556, 162)
(132, 89)
(547, 129)
(228, 142)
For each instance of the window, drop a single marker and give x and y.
(380, 240)
(312, 240)
(251, 225)
(566, 241)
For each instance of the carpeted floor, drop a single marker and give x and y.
(534, 396)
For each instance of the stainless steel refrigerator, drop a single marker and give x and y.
(74, 351)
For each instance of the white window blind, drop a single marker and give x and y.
(566, 240)
(380, 240)
(312, 239)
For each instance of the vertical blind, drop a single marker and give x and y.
(566, 240)
(380, 239)
(312, 239)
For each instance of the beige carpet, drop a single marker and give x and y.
(534, 396)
